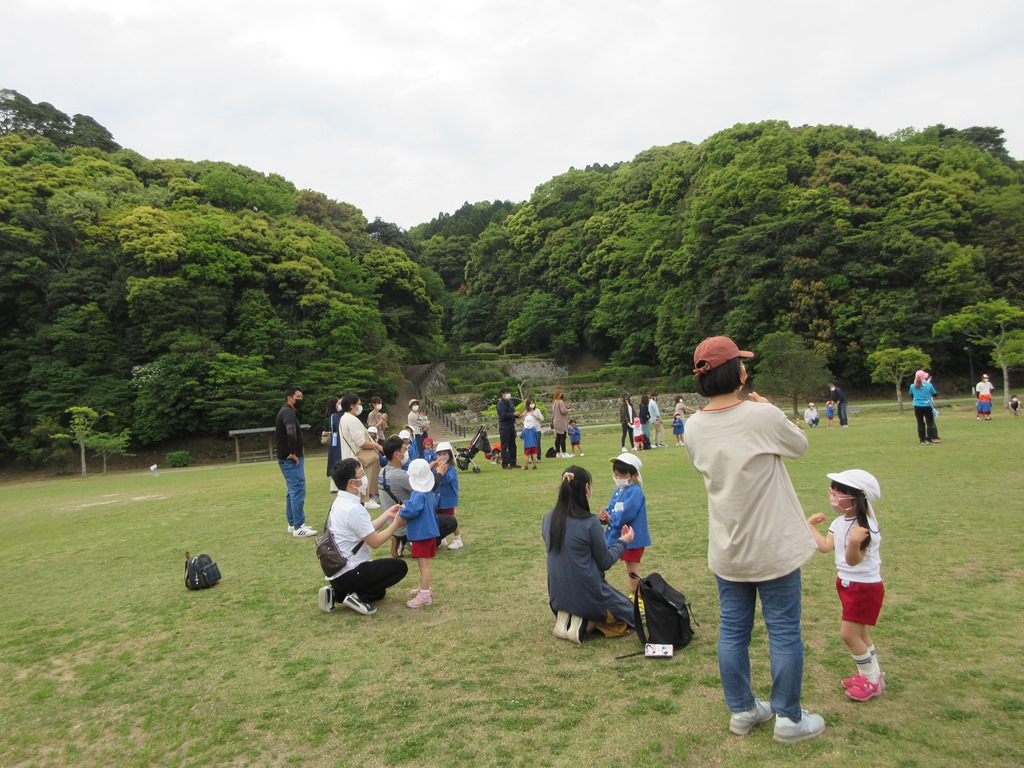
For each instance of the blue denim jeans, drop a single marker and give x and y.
(780, 604)
(295, 498)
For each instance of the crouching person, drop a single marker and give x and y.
(363, 581)
(577, 559)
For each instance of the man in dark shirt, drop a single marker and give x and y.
(289, 459)
(507, 429)
(839, 398)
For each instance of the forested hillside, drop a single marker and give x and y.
(852, 241)
(181, 297)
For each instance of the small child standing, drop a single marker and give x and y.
(420, 512)
(447, 473)
(429, 454)
(678, 428)
(638, 434)
(628, 506)
(856, 541)
(574, 437)
(830, 412)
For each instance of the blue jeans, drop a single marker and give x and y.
(780, 604)
(841, 408)
(295, 498)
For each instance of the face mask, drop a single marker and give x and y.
(415, 408)
(298, 404)
(621, 482)
(339, 405)
(364, 483)
(376, 407)
(359, 409)
(507, 396)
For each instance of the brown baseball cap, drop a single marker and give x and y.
(714, 351)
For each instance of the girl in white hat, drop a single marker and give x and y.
(856, 541)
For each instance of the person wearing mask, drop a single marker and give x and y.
(356, 442)
(657, 423)
(626, 421)
(288, 437)
(363, 581)
(839, 401)
(419, 424)
(377, 418)
(507, 429)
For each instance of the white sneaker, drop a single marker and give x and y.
(582, 454)
(371, 504)
(807, 727)
(326, 599)
(444, 543)
(357, 605)
(291, 529)
(456, 543)
(742, 723)
(303, 531)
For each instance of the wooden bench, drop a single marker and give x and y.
(256, 455)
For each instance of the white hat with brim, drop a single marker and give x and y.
(444, 446)
(633, 460)
(420, 477)
(405, 434)
(859, 479)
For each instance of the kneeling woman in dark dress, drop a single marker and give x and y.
(578, 557)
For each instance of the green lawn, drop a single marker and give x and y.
(106, 659)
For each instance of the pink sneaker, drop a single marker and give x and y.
(421, 599)
(847, 683)
(865, 689)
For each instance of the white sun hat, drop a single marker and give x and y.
(405, 434)
(444, 446)
(420, 477)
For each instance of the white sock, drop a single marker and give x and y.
(867, 665)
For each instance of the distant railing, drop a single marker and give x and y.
(450, 423)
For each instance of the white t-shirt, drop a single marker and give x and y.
(869, 569)
(533, 419)
(810, 414)
(984, 388)
(757, 530)
(350, 523)
(353, 435)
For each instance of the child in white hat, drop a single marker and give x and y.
(856, 541)
(420, 513)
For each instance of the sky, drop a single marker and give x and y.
(409, 108)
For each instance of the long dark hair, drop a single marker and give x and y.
(332, 408)
(863, 520)
(572, 502)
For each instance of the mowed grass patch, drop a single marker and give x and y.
(106, 659)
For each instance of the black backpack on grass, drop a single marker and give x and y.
(200, 572)
(667, 612)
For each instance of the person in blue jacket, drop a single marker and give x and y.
(412, 452)
(922, 390)
(429, 454)
(628, 506)
(422, 530)
(447, 488)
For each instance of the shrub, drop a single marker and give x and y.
(179, 459)
(452, 406)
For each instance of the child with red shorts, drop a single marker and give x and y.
(628, 506)
(638, 434)
(447, 489)
(420, 513)
(855, 538)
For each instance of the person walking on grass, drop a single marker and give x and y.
(757, 538)
(419, 512)
(288, 439)
(657, 423)
(363, 581)
(857, 542)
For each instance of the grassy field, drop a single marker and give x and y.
(106, 659)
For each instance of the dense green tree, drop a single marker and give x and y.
(786, 367)
(894, 366)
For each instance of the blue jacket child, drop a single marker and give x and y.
(448, 488)
(421, 513)
(628, 506)
(574, 435)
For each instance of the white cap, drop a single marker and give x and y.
(420, 477)
(629, 458)
(859, 479)
(372, 429)
(405, 434)
(444, 446)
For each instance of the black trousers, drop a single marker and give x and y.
(925, 423)
(507, 436)
(370, 580)
(627, 435)
(560, 443)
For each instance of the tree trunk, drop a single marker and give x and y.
(81, 450)
(899, 395)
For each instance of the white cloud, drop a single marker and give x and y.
(409, 108)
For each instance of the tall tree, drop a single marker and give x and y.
(787, 367)
(893, 365)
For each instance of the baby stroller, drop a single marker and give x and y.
(464, 456)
